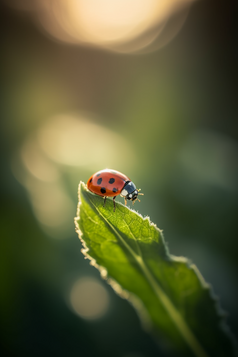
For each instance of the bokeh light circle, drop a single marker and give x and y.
(89, 299)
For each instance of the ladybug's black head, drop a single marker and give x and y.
(134, 196)
(129, 191)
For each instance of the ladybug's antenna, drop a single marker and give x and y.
(142, 194)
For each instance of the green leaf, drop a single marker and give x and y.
(168, 292)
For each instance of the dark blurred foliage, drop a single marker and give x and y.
(177, 108)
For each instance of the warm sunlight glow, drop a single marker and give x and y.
(107, 20)
(89, 299)
(119, 25)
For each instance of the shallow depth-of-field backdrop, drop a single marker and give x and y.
(148, 91)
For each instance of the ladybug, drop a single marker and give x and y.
(111, 183)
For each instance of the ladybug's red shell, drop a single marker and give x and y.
(107, 183)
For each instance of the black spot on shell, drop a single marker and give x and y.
(112, 180)
(103, 190)
(99, 181)
(98, 174)
(114, 189)
(91, 180)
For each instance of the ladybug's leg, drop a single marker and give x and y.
(114, 203)
(125, 201)
(105, 198)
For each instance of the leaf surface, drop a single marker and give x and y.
(168, 292)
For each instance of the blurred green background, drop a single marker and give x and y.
(77, 100)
